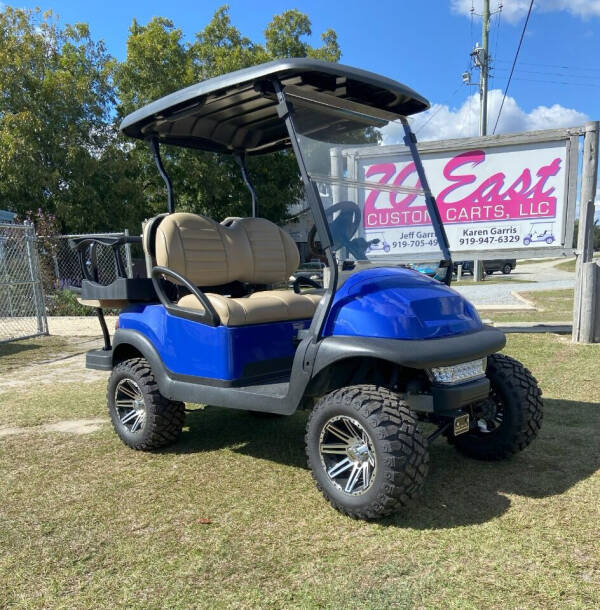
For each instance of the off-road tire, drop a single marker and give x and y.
(164, 418)
(506, 269)
(522, 403)
(400, 450)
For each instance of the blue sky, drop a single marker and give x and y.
(425, 44)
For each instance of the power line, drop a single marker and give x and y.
(471, 26)
(514, 64)
(555, 82)
(498, 23)
(440, 107)
(542, 73)
(529, 63)
(589, 82)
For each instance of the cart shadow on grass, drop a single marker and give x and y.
(14, 348)
(458, 491)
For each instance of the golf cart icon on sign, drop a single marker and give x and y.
(540, 231)
(378, 243)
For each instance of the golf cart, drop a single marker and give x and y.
(540, 231)
(373, 353)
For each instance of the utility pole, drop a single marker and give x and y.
(484, 63)
(481, 60)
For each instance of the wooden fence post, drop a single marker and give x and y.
(590, 285)
(585, 309)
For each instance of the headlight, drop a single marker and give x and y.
(459, 372)
(315, 277)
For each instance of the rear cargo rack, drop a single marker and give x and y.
(122, 290)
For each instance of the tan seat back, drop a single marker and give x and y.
(275, 255)
(207, 253)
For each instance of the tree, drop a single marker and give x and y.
(63, 97)
(159, 61)
(596, 245)
(55, 121)
(284, 38)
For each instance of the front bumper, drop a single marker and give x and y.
(450, 398)
(444, 399)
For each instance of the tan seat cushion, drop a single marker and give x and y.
(291, 297)
(258, 308)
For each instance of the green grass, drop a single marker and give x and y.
(567, 265)
(552, 306)
(536, 261)
(40, 350)
(229, 517)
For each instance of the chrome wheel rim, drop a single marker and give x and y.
(130, 405)
(492, 417)
(347, 455)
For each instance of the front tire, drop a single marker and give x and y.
(365, 452)
(506, 269)
(510, 419)
(141, 416)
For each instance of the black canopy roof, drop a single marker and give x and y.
(237, 112)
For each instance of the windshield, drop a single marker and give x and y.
(368, 184)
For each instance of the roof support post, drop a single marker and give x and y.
(240, 159)
(154, 147)
(410, 141)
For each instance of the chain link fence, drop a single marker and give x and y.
(22, 306)
(38, 275)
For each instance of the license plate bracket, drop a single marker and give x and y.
(461, 424)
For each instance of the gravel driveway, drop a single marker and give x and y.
(545, 275)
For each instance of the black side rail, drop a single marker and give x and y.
(89, 244)
(209, 316)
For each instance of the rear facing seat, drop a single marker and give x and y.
(250, 250)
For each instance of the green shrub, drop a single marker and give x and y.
(65, 303)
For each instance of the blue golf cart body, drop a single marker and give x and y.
(211, 322)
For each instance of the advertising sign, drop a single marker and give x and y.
(498, 198)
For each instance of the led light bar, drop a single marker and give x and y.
(459, 373)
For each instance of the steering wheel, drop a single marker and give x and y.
(342, 228)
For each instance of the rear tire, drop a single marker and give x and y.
(365, 452)
(512, 416)
(506, 269)
(141, 416)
